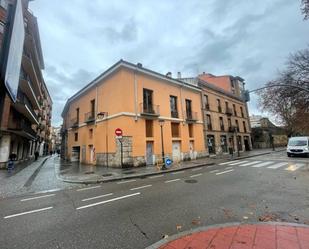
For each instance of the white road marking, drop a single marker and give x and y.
(145, 186)
(196, 169)
(239, 162)
(156, 176)
(28, 212)
(224, 172)
(110, 200)
(262, 164)
(226, 162)
(278, 165)
(251, 163)
(37, 197)
(96, 197)
(83, 189)
(196, 175)
(174, 180)
(133, 180)
(178, 172)
(294, 167)
(213, 171)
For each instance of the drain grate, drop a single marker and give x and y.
(107, 174)
(191, 181)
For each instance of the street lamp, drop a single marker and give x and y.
(101, 115)
(161, 122)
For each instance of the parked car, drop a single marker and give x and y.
(298, 146)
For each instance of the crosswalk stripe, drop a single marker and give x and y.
(294, 167)
(277, 165)
(225, 163)
(239, 162)
(262, 164)
(251, 163)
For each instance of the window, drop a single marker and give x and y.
(208, 122)
(223, 141)
(242, 112)
(226, 105)
(190, 127)
(219, 105)
(149, 128)
(229, 122)
(244, 124)
(206, 101)
(90, 133)
(234, 108)
(77, 115)
(175, 129)
(221, 123)
(76, 137)
(237, 125)
(147, 101)
(173, 105)
(232, 84)
(92, 108)
(189, 108)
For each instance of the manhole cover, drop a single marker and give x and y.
(89, 172)
(107, 175)
(129, 172)
(191, 181)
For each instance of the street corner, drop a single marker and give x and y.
(239, 235)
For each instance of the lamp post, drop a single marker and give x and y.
(101, 115)
(161, 122)
(238, 153)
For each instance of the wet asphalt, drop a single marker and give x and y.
(139, 212)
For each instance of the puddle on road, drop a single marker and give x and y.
(191, 181)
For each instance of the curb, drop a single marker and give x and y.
(205, 228)
(156, 173)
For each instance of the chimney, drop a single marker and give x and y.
(169, 74)
(179, 75)
(139, 64)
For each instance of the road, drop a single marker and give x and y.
(139, 212)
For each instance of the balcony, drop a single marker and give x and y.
(219, 109)
(209, 127)
(191, 116)
(229, 111)
(222, 127)
(74, 123)
(174, 114)
(26, 85)
(207, 107)
(89, 117)
(149, 110)
(24, 106)
(24, 129)
(233, 129)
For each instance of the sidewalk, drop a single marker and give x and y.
(88, 174)
(240, 236)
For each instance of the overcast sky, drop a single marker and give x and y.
(81, 39)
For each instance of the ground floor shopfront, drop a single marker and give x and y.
(219, 142)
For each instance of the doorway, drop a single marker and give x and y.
(211, 144)
(191, 147)
(176, 151)
(75, 154)
(246, 142)
(91, 153)
(149, 153)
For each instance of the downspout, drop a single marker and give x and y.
(96, 105)
(135, 95)
(181, 103)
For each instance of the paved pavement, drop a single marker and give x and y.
(82, 173)
(240, 236)
(137, 213)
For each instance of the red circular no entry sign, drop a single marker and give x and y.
(118, 132)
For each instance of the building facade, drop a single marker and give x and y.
(25, 123)
(157, 114)
(226, 117)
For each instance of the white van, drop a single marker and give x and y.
(298, 146)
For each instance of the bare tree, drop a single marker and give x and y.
(290, 105)
(305, 8)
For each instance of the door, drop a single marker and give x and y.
(211, 144)
(246, 141)
(75, 154)
(176, 151)
(191, 147)
(149, 153)
(91, 153)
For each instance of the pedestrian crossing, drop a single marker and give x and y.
(288, 166)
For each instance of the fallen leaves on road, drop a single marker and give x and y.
(178, 227)
(196, 221)
(269, 217)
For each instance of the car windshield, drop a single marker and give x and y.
(298, 143)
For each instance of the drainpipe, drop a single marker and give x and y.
(135, 94)
(96, 105)
(181, 104)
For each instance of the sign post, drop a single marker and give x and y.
(118, 133)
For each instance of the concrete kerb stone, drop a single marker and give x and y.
(205, 228)
(154, 173)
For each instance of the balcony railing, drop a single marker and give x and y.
(25, 127)
(219, 109)
(23, 99)
(233, 129)
(209, 127)
(89, 117)
(149, 110)
(74, 123)
(229, 111)
(207, 107)
(222, 127)
(174, 114)
(191, 116)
